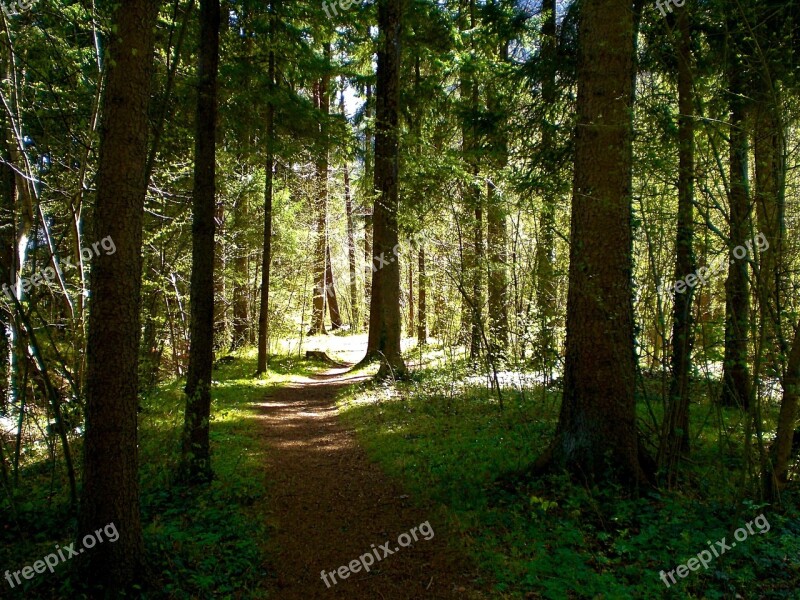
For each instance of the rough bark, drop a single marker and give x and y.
(111, 453)
(735, 372)
(770, 207)
(220, 285)
(266, 245)
(330, 292)
(787, 421)
(355, 323)
(596, 436)
(675, 438)
(384, 321)
(240, 305)
(322, 101)
(196, 451)
(422, 313)
(545, 249)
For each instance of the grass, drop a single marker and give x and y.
(552, 538)
(202, 543)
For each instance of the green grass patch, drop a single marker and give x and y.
(204, 542)
(550, 538)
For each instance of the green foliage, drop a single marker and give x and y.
(550, 537)
(201, 543)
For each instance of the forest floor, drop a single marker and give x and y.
(331, 505)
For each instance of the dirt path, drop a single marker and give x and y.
(331, 505)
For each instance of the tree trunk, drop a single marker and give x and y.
(787, 421)
(330, 291)
(196, 452)
(474, 256)
(369, 176)
(675, 438)
(320, 255)
(545, 249)
(496, 232)
(241, 314)
(266, 246)
(770, 207)
(735, 373)
(410, 297)
(111, 453)
(384, 319)
(596, 435)
(422, 313)
(220, 304)
(355, 323)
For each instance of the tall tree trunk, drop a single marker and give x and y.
(675, 440)
(422, 316)
(770, 207)
(369, 176)
(330, 291)
(384, 318)
(496, 232)
(241, 313)
(596, 435)
(545, 249)
(111, 452)
(735, 372)
(473, 286)
(220, 304)
(410, 297)
(320, 254)
(497, 240)
(196, 452)
(775, 481)
(355, 323)
(269, 175)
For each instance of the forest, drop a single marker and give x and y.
(400, 299)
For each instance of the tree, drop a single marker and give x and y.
(675, 439)
(196, 453)
(545, 249)
(735, 372)
(111, 459)
(384, 318)
(596, 434)
(269, 170)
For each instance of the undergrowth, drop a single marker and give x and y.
(449, 441)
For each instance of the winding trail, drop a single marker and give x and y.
(331, 504)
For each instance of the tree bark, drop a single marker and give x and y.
(355, 323)
(196, 451)
(735, 372)
(675, 438)
(220, 287)
(330, 291)
(787, 421)
(384, 320)
(596, 435)
(422, 313)
(545, 249)
(770, 208)
(111, 453)
(241, 313)
(266, 246)
(320, 255)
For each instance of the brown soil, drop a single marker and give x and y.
(331, 504)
